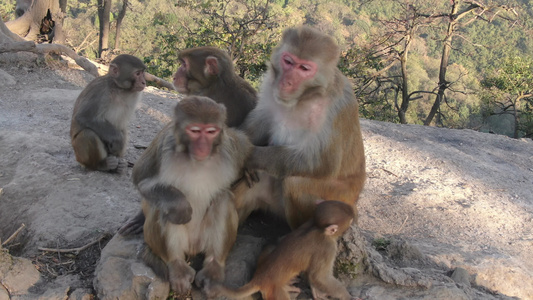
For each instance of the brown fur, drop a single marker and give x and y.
(310, 140)
(187, 203)
(311, 248)
(208, 71)
(101, 114)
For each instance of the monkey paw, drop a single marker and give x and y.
(181, 277)
(210, 274)
(111, 163)
(177, 212)
(122, 166)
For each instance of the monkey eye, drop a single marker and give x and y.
(195, 129)
(305, 67)
(288, 60)
(212, 130)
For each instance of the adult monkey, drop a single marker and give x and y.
(306, 128)
(184, 178)
(209, 71)
(98, 129)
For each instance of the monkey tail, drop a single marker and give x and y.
(242, 292)
(159, 267)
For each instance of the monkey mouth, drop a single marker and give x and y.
(287, 102)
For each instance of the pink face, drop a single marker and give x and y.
(140, 81)
(180, 78)
(202, 137)
(295, 71)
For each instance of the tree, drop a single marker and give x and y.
(30, 23)
(120, 17)
(394, 46)
(512, 93)
(478, 11)
(104, 9)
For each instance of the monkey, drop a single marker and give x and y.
(209, 71)
(305, 129)
(184, 178)
(311, 248)
(101, 114)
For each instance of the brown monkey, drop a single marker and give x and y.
(311, 248)
(208, 71)
(184, 178)
(306, 127)
(98, 130)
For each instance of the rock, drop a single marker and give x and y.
(17, 274)
(4, 294)
(6, 79)
(120, 274)
(81, 294)
(461, 276)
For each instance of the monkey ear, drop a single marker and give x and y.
(331, 229)
(211, 66)
(113, 70)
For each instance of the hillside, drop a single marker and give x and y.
(441, 199)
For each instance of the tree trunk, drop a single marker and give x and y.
(104, 9)
(446, 49)
(29, 24)
(119, 23)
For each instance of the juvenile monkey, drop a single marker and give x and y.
(98, 129)
(310, 248)
(306, 129)
(209, 71)
(184, 178)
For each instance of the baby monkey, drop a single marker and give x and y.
(310, 248)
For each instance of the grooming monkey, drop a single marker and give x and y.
(306, 131)
(311, 248)
(98, 129)
(184, 178)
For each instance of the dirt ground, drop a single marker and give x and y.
(462, 198)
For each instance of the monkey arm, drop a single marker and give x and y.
(145, 175)
(281, 161)
(257, 128)
(111, 136)
(171, 202)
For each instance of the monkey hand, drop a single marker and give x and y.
(176, 211)
(251, 177)
(256, 160)
(115, 144)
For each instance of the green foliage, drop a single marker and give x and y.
(7, 10)
(156, 30)
(509, 89)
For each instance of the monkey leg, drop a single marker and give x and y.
(322, 282)
(91, 152)
(219, 228)
(264, 195)
(301, 194)
(167, 242)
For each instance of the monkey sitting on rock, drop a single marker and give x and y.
(98, 129)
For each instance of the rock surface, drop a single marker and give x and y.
(445, 214)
